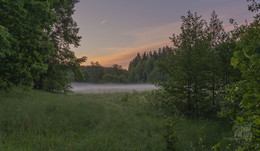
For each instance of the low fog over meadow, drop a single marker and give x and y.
(90, 88)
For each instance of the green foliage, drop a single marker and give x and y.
(198, 69)
(143, 68)
(114, 74)
(243, 97)
(6, 54)
(164, 103)
(125, 98)
(62, 34)
(58, 81)
(99, 74)
(200, 135)
(170, 135)
(110, 78)
(26, 22)
(37, 37)
(182, 67)
(188, 134)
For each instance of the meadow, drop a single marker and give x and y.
(41, 121)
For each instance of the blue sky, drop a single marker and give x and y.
(113, 31)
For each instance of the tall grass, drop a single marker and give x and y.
(42, 121)
(200, 135)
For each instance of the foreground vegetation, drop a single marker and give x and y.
(43, 121)
(208, 72)
(214, 71)
(38, 120)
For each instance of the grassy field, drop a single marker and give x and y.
(41, 121)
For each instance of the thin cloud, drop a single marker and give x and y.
(216, 1)
(146, 39)
(103, 22)
(154, 34)
(126, 56)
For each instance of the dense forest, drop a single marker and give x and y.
(209, 73)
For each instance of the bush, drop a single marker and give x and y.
(159, 100)
(170, 135)
(243, 97)
(171, 105)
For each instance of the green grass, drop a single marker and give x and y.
(41, 121)
(200, 135)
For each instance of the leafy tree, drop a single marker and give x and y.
(243, 99)
(216, 36)
(242, 104)
(186, 68)
(41, 33)
(7, 54)
(221, 50)
(194, 69)
(62, 34)
(27, 23)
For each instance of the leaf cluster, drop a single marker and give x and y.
(37, 36)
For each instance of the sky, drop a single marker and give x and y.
(114, 31)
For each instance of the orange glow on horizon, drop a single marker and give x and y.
(125, 57)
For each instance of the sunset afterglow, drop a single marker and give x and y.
(114, 31)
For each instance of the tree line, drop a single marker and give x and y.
(95, 73)
(35, 42)
(142, 69)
